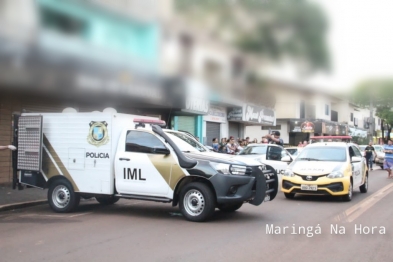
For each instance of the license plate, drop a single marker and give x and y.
(309, 187)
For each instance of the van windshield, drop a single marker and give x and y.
(186, 142)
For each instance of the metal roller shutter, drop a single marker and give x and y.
(212, 131)
(187, 123)
(234, 129)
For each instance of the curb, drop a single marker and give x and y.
(22, 205)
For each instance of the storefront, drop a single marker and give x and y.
(214, 122)
(191, 97)
(302, 129)
(249, 115)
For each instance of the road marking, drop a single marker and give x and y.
(355, 211)
(82, 214)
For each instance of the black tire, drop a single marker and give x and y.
(61, 196)
(107, 200)
(349, 195)
(197, 202)
(228, 208)
(364, 188)
(289, 195)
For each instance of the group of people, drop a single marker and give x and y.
(233, 146)
(230, 146)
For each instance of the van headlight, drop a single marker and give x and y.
(229, 169)
(238, 170)
(335, 174)
(220, 167)
(289, 173)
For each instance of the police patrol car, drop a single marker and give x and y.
(108, 156)
(326, 168)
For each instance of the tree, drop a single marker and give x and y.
(266, 29)
(380, 92)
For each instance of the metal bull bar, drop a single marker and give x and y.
(267, 181)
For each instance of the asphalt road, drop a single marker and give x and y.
(146, 231)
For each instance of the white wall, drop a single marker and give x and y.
(258, 133)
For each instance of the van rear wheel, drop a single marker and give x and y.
(61, 196)
(197, 202)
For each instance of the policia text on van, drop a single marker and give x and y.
(110, 156)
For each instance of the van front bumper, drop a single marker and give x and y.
(261, 185)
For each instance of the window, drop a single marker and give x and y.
(354, 151)
(302, 109)
(254, 150)
(142, 142)
(63, 23)
(351, 117)
(277, 127)
(274, 153)
(327, 110)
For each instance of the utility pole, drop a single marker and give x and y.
(371, 123)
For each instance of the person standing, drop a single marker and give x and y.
(275, 138)
(305, 143)
(232, 148)
(300, 144)
(10, 147)
(388, 162)
(247, 141)
(215, 144)
(369, 151)
(223, 146)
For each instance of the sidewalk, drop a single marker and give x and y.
(10, 199)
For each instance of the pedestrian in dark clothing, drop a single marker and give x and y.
(369, 151)
(275, 138)
(223, 146)
(215, 145)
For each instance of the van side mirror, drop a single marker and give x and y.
(286, 159)
(356, 159)
(161, 151)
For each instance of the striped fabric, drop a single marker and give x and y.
(388, 155)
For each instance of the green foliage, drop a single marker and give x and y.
(270, 29)
(381, 93)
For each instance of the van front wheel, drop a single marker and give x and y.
(197, 202)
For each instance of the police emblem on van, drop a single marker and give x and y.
(98, 133)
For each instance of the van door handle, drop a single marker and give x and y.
(124, 159)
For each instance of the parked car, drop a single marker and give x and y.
(380, 155)
(294, 151)
(333, 169)
(268, 154)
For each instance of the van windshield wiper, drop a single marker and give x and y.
(309, 159)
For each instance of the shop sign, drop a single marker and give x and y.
(235, 114)
(318, 126)
(253, 114)
(216, 114)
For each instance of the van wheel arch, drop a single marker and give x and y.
(186, 180)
